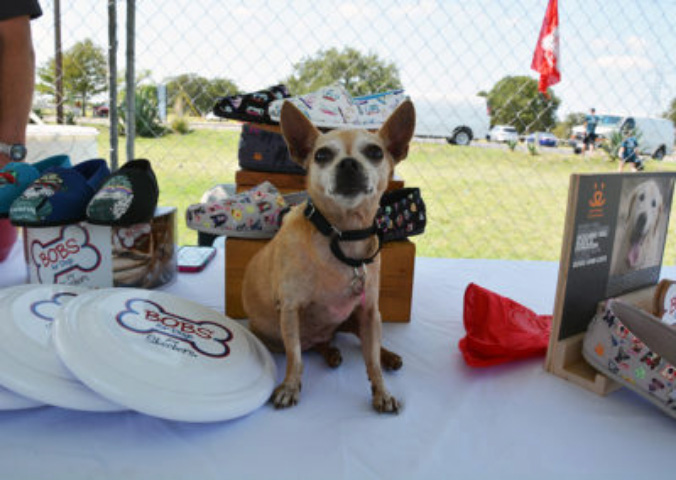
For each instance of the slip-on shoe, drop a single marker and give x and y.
(15, 177)
(402, 214)
(635, 349)
(60, 196)
(255, 213)
(250, 107)
(128, 196)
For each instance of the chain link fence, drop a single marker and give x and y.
(489, 199)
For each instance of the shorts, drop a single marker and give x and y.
(590, 139)
(19, 8)
(635, 160)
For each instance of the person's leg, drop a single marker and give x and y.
(17, 71)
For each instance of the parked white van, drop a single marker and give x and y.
(459, 121)
(656, 134)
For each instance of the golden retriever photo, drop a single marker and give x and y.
(641, 225)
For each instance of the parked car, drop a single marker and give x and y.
(656, 134)
(544, 139)
(457, 119)
(101, 111)
(503, 133)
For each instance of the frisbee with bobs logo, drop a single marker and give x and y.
(163, 355)
(29, 364)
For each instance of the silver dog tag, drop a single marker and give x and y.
(359, 280)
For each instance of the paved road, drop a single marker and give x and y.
(231, 125)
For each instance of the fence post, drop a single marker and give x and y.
(112, 82)
(58, 63)
(131, 89)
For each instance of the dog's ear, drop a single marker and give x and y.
(299, 133)
(625, 213)
(398, 130)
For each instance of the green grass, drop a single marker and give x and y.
(481, 202)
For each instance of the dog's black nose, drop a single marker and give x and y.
(348, 165)
(350, 178)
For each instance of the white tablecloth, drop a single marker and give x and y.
(510, 421)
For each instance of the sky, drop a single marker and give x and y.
(616, 56)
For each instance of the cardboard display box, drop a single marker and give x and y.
(396, 277)
(597, 264)
(82, 254)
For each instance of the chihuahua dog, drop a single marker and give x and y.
(321, 272)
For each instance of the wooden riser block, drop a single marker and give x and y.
(396, 277)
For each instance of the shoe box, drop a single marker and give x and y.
(83, 254)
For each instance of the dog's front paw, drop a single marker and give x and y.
(385, 403)
(286, 395)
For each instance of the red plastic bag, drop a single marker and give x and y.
(500, 330)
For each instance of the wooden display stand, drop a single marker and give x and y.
(396, 267)
(396, 277)
(595, 224)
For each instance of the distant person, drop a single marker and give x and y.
(590, 123)
(628, 153)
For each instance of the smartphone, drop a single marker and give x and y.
(192, 259)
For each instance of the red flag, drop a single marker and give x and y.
(546, 56)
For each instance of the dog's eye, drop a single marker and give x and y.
(323, 156)
(373, 152)
(654, 203)
(641, 197)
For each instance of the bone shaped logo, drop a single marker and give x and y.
(70, 251)
(47, 309)
(144, 316)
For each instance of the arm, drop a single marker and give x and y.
(17, 79)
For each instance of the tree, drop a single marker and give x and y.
(84, 73)
(201, 91)
(360, 74)
(146, 112)
(516, 101)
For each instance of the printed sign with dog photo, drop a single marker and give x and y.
(614, 239)
(617, 242)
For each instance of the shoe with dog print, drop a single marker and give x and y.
(635, 349)
(15, 177)
(129, 196)
(60, 196)
(256, 213)
(333, 107)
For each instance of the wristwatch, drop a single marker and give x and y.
(15, 152)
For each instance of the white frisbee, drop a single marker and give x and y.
(13, 401)
(10, 400)
(29, 364)
(164, 356)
